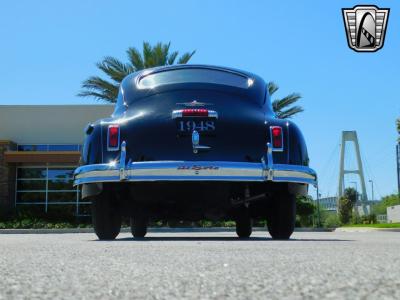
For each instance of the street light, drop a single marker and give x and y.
(372, 189)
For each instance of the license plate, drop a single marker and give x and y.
(198, 125)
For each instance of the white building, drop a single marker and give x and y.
(39, 149)
(393, 214)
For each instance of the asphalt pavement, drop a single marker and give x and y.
(194, 265)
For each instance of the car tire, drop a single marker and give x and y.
(106, 216)
(139, 226)
(282, 216)
(244, 225)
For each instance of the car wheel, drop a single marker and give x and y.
(282, 216)
(139, 226)
(106, 217)
(243, 225)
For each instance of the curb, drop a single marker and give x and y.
(151, 229)
(365, 229)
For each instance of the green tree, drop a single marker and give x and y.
(380, 207)
(115, 70)
(284, 108)
(351, 194)
(345, 209)
(330, 220)
(398, 127)
(305, 209)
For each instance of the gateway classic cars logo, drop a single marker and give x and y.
(365, 27)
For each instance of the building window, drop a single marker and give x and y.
(49, 147)
(49, 186)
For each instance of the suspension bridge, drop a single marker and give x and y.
(348, 165)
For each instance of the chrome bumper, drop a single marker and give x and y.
(193, 171)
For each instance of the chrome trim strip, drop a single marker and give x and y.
(178, 113)
(212, 114)
(122, 164)
(195, 171)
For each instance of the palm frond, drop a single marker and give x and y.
(290, 112)
(184, 59)
(172, 57)
(147, 55)
(160, 54)
(279, 104)
(135, 58)
(98, 96)
(398, 128)
(283, 107)
(100, 89)
(151, 56)
(114, 68)
(398, 125)
(272, 87)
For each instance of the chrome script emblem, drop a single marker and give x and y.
(194, 103)
(365, 27)
(197, 168)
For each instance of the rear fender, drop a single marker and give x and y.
(298, 154)
(92, 147)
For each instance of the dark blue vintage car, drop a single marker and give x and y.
(193, 142)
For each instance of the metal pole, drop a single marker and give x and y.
(372, 189)
(398, 169)
(318, 212)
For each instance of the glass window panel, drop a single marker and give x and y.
(61, 196)
(31, 173)
(27, 184)
(194, 75)
(61, 173)
(32, 147)
(60, 184)
(32, 197)
(63, 147)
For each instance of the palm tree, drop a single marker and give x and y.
(398, 125)
(151, 56)
(283, 107)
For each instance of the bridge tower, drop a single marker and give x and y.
(351, 136)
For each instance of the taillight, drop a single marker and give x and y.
(113, 137)
(193, 112)
(276, 138)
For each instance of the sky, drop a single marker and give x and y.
(47, 48)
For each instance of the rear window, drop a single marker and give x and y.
(194, 76)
